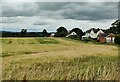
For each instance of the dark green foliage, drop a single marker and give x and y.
(47, 41)
(19, 34)
(61, 32)
(78, 31)
(115, 27)
(117, 39)
(74, 37)
(87, 38)
(44, 33)
(23, 32)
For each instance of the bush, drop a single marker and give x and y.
(117, 39)
(60, 34)
(74, 37)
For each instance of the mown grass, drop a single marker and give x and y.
(19, 46)
(29, 41)
(47, 41)
(61, 59)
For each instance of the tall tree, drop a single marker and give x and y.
(78, 31)
(61, 32)
(23, 32)
(115, 27)
(44, 32)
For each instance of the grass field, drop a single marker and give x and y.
(57, 59)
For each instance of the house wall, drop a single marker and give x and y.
(100, 31)
(52, 35)
(87, 34)
(102, 39)
(110, 39)
(113, 39)
(94, 35)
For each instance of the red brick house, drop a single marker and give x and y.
(106, 38)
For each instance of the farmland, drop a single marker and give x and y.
(57, 59)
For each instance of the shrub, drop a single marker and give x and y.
(117, 39)
(74, 37)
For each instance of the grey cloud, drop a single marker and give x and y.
(41, 23)
(8, 20)
(52, 6)
(91, 12)
(63, 10)
(18, 19)
(18, 9)
(119, 10)
(34, 20)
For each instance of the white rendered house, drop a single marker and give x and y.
(93, 33)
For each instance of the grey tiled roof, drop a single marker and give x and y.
(95, 30)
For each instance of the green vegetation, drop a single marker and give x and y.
(29, 41)
(117, 39)
(19, 46)
(58, 59)
(61, 32)
(47, 41)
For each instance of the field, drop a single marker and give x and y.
(57, 59)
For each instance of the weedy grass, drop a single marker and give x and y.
(19, 46)
(47, 41)
(63, 60)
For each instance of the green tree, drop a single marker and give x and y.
(44, 32)
(23, 32)
(78, 31)
(61, 32)
(117, 39)
(115, 27)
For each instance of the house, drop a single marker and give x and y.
(110, 38)
(106, 38)
(85, 37)
(71, 34)
(92, 33)
(52, 35)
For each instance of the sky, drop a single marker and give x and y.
(35, 15)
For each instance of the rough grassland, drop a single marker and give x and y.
(57, 59)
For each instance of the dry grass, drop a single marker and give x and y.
(58, 58)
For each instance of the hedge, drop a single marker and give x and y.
(117, 39)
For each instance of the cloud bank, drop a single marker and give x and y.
(51, 15)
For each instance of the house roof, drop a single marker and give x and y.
(105, 34)
(111, 34)
(95, 30)
(73, 33)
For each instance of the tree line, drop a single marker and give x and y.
(60, 32)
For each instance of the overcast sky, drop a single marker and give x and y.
(36, 16)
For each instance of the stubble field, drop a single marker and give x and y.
(57, 59)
